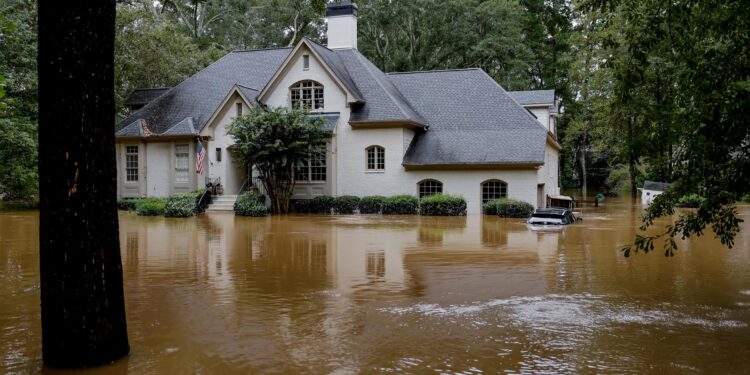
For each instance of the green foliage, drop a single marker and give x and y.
(346, 204)
(303, 206)
(401, 205)
(372, 204)
(251, 204)
(18, 56)
(442, 205)
(512, 208)
(18, 152)
(680, 87)
(442, 34)
(275, 142)
(150, 206)
(127, 204)
(690, 201)
(152, 51)
(322, 204)
(490, 207)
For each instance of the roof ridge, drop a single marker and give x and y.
(243, 86)
(433, 71)
(259, 49)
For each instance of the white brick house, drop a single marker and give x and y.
(451, 131)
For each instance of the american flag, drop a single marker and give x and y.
(199, 160)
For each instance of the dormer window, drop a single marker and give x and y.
(306, 95)
(305, 62)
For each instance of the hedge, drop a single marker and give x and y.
(513, 208)
(372, 204)
(443, 205)
(150, 206)
(322, 204)
(251, 204)
(346, 204)
(401, 205)
(127, 204)
(302, 206)
(690, 201)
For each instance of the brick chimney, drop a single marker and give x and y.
(342, 25)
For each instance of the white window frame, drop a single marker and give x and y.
(315, 167)
(181, 173)
(305, 62)
(129, 153)
(438, 187)
(503, 189)
(376, 154)
(307, 94)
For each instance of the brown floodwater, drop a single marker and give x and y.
(377, 294)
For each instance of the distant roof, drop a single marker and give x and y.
(140, 97)
(656, 186)
(471, 119)
(534, 97)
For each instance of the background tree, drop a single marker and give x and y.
(275, 142)
(83, 307)
(692, 88)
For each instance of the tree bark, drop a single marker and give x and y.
(82, 301)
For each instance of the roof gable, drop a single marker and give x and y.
(330, 63)
(246, 94)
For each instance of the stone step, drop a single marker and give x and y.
(220, 207)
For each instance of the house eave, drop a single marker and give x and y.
(552, 141)
(471, 166)
(388, 124)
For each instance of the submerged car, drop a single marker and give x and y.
(552, 216)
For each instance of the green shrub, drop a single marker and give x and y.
(302, 206)
(372, 204)
(690, 201)
(513, 208)
(346, 204)
(443, 205)
(252, 204)
(127, 204)
(181, 205)
(322, 204)
(150, 207)
(401, 205)
(490, 208)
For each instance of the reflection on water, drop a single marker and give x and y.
(350, 294)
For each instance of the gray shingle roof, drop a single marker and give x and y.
(339, 68)
(384, 102)
(134, 129)
(471, 119)
(141, 97)
(534, 97)
(184, 127)
(198, 96)
(657, 186)
(329, 119)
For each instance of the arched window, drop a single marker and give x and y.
(375, 158)
(429, 187)
(493, 189)
(306, 95)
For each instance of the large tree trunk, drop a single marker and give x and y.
(83, 307)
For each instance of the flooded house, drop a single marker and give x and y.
(652, 189)
(420, 133)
